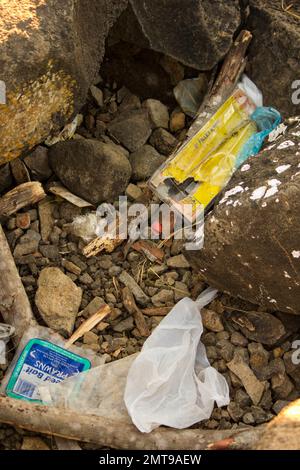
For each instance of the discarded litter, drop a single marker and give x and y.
(42, 358)
(100, 392)
(67, 132)
(202, 167)
(189, 94)
(180, 387)
(178, 390)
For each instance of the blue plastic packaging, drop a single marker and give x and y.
(266, 119)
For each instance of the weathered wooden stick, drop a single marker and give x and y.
(14, 304)
(156, 311)
(132, 309)
(115, 434)
(89, 324)
(232, 68)
(21, 196)
(150, 250)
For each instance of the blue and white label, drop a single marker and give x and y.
(42, 362)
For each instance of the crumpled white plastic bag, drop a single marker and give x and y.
(171, 382)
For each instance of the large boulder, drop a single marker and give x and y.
(50, 53)
(252, 238)
(198, 33)
(275, 53)
(93, 170)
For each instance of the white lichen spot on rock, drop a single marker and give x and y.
(231, 192)
(271, 191)
(237, 203)
(282, 168)
(258, 193)
(245, 167)
(285, 145)
(279, 130)
(286, 274)
(296, 254)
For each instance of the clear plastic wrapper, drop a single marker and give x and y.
(25, 375)
(171, 382)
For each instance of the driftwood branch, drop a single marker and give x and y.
(21, 196)
(116, 434)
(14, 304)
(231, 70)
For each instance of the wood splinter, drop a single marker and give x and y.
(132, 309)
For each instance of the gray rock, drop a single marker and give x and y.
(281, 386)
(76, 260)
(90, 338)
(212, 353)
(260, 415)
(93, 170)
(259, 357)
(130, 102)
(267, 400)
(119, 148)
(124, 325)
(38, 163)
(105, 262)
(235, 411)
(238, 339)
(131, 128)
(241, 398)
(211, 320)
(28, 243)
(279, 405)
(180, 291)
(86, 279)
(58, 300)
(209, 339)
(145, 162)
(227, 351)
(136, 290)
(97, 94)
(133, 192)
(274, 367)
(165, 296)
(163, 141)
(92, 307)
(177, 121)
(71, 267)
(49, 251)
(178, 261)
(248, 418)
(158, 113)
(263, 192)
(259, 326)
